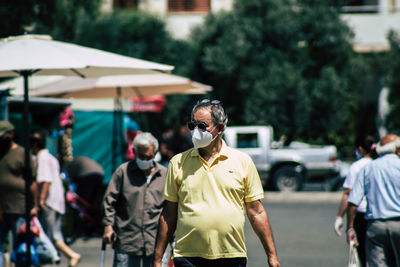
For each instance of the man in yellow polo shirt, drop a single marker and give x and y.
(207, 190)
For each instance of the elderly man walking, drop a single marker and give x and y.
(132, 205)
(379, 182)
(207, 191)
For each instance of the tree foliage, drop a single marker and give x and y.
(280, 62)
(141, 35)
(393, 79)
(55, 17)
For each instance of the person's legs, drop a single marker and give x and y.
(3, 234)
(147, 261)
(9, 223)
(236, 262)
(201, 262)
(360, 226)
(120, 259)
(375, 244)
(394, 235)
(185, 262)
(51, 221)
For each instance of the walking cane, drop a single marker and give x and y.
(103, 250)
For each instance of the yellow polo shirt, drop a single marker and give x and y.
(211, 202)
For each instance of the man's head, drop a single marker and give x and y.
(37, 142)
(208, 121)
(388, 144)
(365, 144)
(214, 107)
(145, 146)
(6, 135)
(5, 128)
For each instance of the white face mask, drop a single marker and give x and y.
(201, 138)
(144, 164)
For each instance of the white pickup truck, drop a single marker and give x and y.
(285, 168)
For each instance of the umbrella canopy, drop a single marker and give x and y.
(41, 55)
(105, 87)
(38, 54)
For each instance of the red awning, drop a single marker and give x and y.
(153, 103)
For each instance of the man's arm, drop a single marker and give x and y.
(351, 214)
(258, 218)
(44, 190)
(341, 211)
(34, 194)
(108, 206)
(166, 230)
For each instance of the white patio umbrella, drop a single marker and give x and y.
(120, 86)
(117, 87)
(40, 55)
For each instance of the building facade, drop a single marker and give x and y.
(370, 20)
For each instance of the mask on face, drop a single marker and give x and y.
(144, 164)
(201, 138)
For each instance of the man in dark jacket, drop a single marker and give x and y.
(12, 185)
(132, 205)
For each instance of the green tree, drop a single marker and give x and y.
(280, 62)
(393, 80)
(141, 35)
(55, 17)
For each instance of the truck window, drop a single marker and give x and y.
(247, 140)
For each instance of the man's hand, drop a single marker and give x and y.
(352, 236)
(109, 235)
(339, 225)
(34, 212)
(273, 261)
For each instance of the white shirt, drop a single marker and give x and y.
(351, 178)
(48, 170)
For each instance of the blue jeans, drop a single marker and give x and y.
(9, 223)
(122, 259)
(201, 262)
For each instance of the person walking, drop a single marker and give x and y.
(132, 205)
(207, 189)
(12, 185)
(365, 147)
(379, 182)
(51, 196)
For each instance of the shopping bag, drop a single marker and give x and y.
(18, 256)
(354, 261)
(21, 226)
(46, 251)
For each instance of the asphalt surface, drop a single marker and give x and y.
(302, 224)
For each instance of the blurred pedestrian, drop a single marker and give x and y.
(207, 189)
(51, 196)
(132, 205)
(364, 146)
(379, 183)
(179, 141)
(12, 185)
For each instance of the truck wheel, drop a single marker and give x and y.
(288, 179)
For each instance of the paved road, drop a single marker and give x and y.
(303, 229)
(302, 225)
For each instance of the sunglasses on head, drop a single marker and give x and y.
(208, 101)
(201, 125)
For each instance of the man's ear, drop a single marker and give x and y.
(221, 127)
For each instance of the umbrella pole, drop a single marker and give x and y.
(27, 169)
